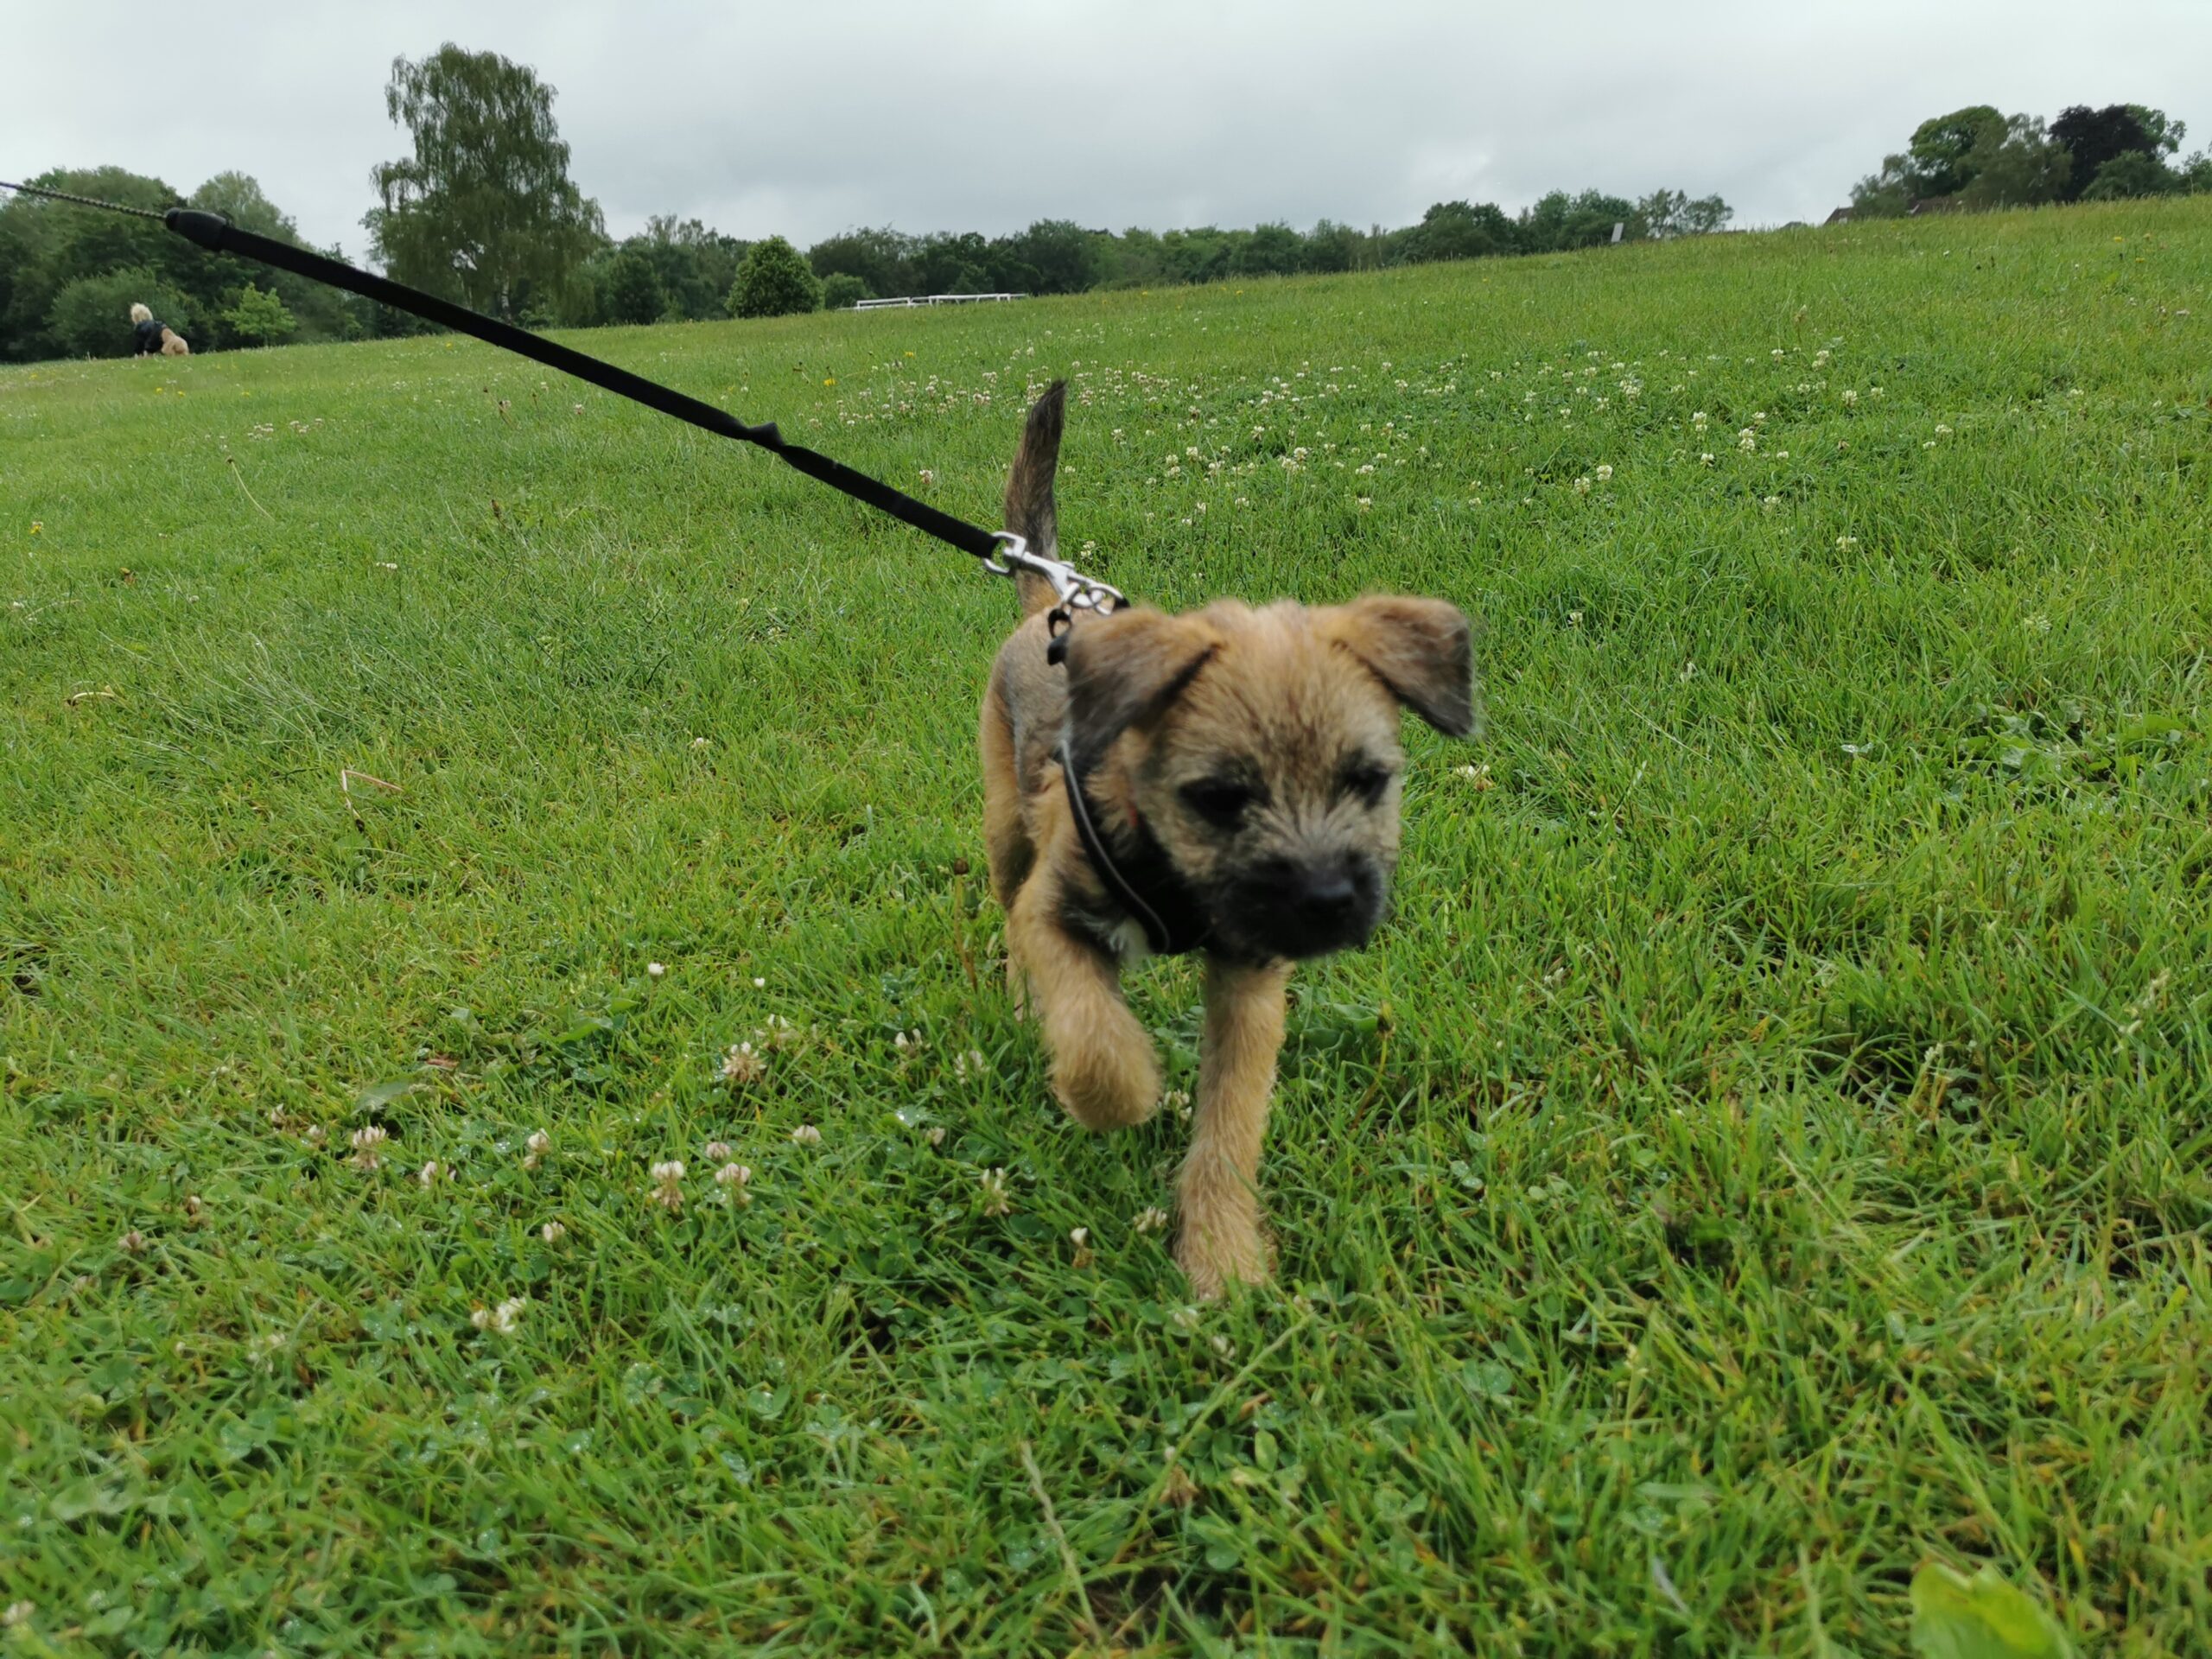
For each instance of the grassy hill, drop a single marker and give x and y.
(1767, 1151)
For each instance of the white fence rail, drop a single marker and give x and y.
(934, 299)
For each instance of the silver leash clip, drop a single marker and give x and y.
(1074, 590)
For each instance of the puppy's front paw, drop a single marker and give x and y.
(1108, 1085)
(1222, 1254)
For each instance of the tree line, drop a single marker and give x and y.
(482, 210)
(1980, 157)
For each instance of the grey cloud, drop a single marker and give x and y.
(760, 118)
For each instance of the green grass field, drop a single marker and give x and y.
(1768, 1151)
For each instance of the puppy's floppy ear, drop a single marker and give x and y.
(1123, 668)
(1422, 650)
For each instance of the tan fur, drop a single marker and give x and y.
(1294, 701)
(172, 344)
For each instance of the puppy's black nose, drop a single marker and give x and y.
(1325, 894)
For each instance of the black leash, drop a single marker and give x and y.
(1001, 552)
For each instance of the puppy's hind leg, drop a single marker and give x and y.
(1006, 838)
(1103, 1067)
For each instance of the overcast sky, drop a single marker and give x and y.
(985, 115)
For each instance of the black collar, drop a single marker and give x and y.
(1146, 884)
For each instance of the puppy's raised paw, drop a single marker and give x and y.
(1113, 1084)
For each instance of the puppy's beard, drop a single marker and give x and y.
(1277, 914)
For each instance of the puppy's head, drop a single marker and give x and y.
(1261, 748)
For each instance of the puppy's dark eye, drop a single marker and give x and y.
(1366, 781)
(1220, 801)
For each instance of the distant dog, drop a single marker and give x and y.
(1226, 781)
(151, 339)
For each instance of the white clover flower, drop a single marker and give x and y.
(996, 1199)
(1080, 1237)
(1582, 487)
(553, 1232)
(1363, 502)
(430, 1174)
(500, 1320)
(132, 1243)
(1151, 1220)
(668, 1186)
(734, 1178)
(1706, 459)
(1605, 475)
(654, 969)
(936, 1134)
(806, 1135)
(1698, 419)
(1849, 395)
(969, 1066)
(1186, 1318)
(1845, 544)
(17, 1612)
(703, 742)
(1943, 431)
(1771, 502)
(742, 1065)
(1747, 441)
(536, 1148)
(314, 1134)
(715, 1151)
(365, 1142)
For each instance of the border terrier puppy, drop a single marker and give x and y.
(1225, 781)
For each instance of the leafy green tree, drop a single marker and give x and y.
(1559, 221)
(1053, 256)
(1668, 214)
(484, 210)
(2132, 173)
(775, 281)
(1941, 160)
(319, 313)
(2164, 132)
(91, 315)
(1332, 247)
(258, 317)
(1270, 251)
(843, 291)
(1459, 230)
(633, 292)
(2020, 168)
(884, 259)
(2092, 137)
(1946, 151)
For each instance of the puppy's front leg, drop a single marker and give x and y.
(1218, 1193)
(1103, 1067)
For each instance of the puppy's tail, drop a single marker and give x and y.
(1029, 511)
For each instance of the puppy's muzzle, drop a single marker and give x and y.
(1308, 907)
